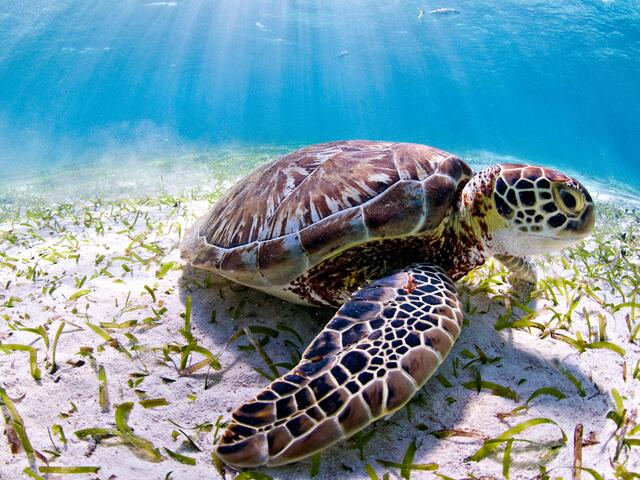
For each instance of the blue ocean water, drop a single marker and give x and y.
(551, 82)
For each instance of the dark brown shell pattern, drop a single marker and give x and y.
(289, 215)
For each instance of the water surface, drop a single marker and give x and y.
(545, 81)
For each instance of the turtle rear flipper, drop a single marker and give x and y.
(370, 359)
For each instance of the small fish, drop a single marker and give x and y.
(343, 53)
(420, 13)
(444, 11)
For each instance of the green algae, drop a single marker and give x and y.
(600, 282)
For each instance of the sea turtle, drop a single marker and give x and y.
(381, 230)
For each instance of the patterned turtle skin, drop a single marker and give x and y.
(381, 230)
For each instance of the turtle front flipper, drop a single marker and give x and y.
(371, 358)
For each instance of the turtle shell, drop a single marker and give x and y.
(311, 204)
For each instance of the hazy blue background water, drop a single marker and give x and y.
(548, 81)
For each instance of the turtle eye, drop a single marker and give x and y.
(569, 199)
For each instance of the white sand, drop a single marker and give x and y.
(525, 363)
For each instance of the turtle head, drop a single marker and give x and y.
(535, 210)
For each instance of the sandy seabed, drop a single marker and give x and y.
(104, 276)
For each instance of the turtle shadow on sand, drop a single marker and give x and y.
(221, 307)
(438, 407)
